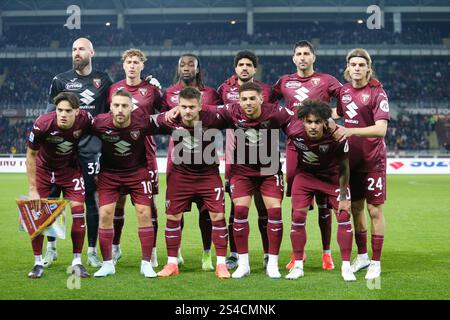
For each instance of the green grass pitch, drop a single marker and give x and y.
(415, 261)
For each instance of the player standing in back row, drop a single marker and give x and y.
(91, 86)
(364, 105)
(245, 66)
(295, 89)
(189, 74)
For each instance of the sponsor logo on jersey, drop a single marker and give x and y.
(54, 139)
(293, 84)
(365, 97)
(315, 81)
(64, 148)
(77, 134)
(122, 147)
(324, 148)
(87, 97)
(135, 134)
(301, 94)
(351, 110)
(73, 85)
(253, 136)
(109, 138)
(346, 98)
(233, 96)
(384, 105)
(143, 91)
(311, 158)
(97, 82)
(234, 89)
(190, 143)
(54, 133)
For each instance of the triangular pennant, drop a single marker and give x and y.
(36, 222)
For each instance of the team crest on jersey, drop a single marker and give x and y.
(293, 84)
(143, 91)
(97, 82)
(365, 97)
(167, 204)
(315, 81)
(77, 134)
(135, 134)
(324, 148)
(346, 98)
(265, 124)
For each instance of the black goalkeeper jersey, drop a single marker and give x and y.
(93, 93)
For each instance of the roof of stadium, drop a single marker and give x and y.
(26, 11)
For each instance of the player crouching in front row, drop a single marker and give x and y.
(52, 163)
(322, 167)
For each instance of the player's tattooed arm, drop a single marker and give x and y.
(31, 175)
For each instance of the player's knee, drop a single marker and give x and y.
(375, 212)
(299, 216)
(343, 216)
(216, 216)
(241, 212)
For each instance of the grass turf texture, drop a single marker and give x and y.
(415, 257)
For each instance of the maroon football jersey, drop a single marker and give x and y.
(361, 107)
(295, 89)
(193, 143)
(147, 98)
(58, 148)
(229, 90)
(123, 149)
(253, 137)
(170, 96)
(320, 157)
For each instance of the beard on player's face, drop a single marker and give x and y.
(187, 78)
(80, 64)
(245, 78)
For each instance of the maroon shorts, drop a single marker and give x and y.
(291, 166)
(69, 180)
(305, 185)
(136, 183)
(368, 185)
(268, 186)
(183, 189)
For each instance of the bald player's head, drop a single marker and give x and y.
(82, 53)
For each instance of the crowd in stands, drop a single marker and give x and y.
(26, 82)
(410, 132)
(195, 34)
(13, 136)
